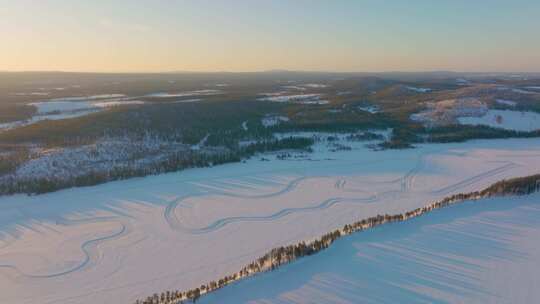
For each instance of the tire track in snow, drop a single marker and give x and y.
(282, 213)
(172, 219)
(408, 179)
(474, 179)
(85, 247)
(175, 223)
(218, 224)
(290, 186)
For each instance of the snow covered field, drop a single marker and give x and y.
(297, 98)
(273, 120)
(505, 119)
(448, 111)
(207, 92)
(304, 87)
(418, 90)
(478, 252)
(102, 156)
(86, 98)
(506, 102)
(71, 107)
(370, 109)
(124, 240)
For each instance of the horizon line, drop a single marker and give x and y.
(272, 71)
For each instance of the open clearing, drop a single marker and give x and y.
(505, 119)
(124, 240)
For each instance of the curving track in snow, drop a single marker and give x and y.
(174, 222)
(288, 188)
(406, 183)
(282, 213)
(86, 247)
(474, 179)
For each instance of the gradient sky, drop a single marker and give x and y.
(244, 35)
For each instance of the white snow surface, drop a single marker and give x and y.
(46, 107)
(273, 120)
(273, 93)
(291, 87)
(115, 103)
(71, 107)
(49, 116)
(65, 106)
(110, 152)
(32, 94)
(505, 119)
(116, 242)
(448, 111)
(521, 91)
(316, 85)
(462, 81)
(479, 252)
(370, 109)
(506, 102)
(207, 92)
(418, 90)
(91, 97)
(297, 98)
(188, 100)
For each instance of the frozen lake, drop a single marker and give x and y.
(478, 252)
(71, 107)
(121, 241)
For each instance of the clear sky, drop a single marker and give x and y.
(252, 35)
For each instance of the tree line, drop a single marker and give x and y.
(11, 184)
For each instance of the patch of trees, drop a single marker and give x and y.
(401, 139)
(12, 158)
(175, 162)
(15, 112)
(514, 186)
(184, 122)
(288, 143)
(364, 136)
(459, 133)
(405, 137)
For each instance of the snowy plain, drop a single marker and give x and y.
(206, 92)
(478, 252)
(314, 99)
(506, 102)
(505, 119)
(125, 240)
(418, 90)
